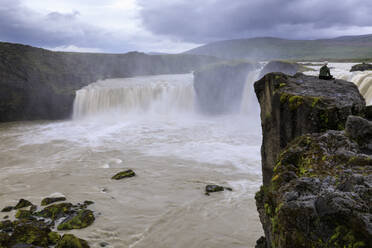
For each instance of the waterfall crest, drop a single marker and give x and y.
(364, 82)
(163, 94)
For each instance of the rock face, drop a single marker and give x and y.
(293, 106)
(285, 67)
(40, 84)
(317, 177)
(219, 87)
(361, 67)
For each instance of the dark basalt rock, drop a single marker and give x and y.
(295, 105)
(361, 67)
(79, 220)
(33, 229)
(7, 209)
(317, 189)
(22, 204)
(70, 241)
(50, 200)
(211, 188)
(124, 174)
(219, 87)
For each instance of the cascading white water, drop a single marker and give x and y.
(163, 94)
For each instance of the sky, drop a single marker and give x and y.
(172, 26)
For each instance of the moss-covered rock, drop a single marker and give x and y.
(295, 105)
(124, 174)
(22, 203)
(53, 237)
(361, 67)
(50, 200)
(81, 219)
(7, 209)
(56, 211)
(70, 241)
(24, 214)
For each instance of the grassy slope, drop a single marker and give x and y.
(350, 47)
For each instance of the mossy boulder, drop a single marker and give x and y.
(50, 200)
(22, 203)
(79, 220)
(56, 211)
(124, 174)
(70, 241)
(7, 209)
(33, 229)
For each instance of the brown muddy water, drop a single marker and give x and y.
(150, 125)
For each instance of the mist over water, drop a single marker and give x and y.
(151, 125)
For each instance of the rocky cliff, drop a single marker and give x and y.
(41, 84)
(361, 67)
(219, 87)
(317, 175)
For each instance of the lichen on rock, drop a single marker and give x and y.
(317, 176)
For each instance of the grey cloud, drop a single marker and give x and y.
(209, 20)
(22, 25)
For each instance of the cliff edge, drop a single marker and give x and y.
(316, 163)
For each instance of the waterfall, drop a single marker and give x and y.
(163, 94)
(160, 95)
(364, 82)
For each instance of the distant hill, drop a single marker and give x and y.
(267, 48)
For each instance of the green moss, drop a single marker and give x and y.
(53, 237)
(82, 219)
(315, 101)
(55, 211)
(295, 102)
(282, 85)
(345, 237)
(24, 214)
(70, 241)
(124, 174)
(49, 200)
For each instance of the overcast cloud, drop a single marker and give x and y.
(174, 25)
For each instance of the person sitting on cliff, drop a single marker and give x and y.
(325, 73)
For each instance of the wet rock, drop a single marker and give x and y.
(87, 203)
(361, 67)
(7, 209)
(261, 243)
(213, 188)
(70, 241)
(53, 237)
(24, 214)
(295, 105)
(103, 244)
(30, 232)
(124, 174)
(317, 176)
(79, 220)
(56, 211)
(22, 204)
(6, 217)
(49, 200)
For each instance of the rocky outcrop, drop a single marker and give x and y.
(219, 87)
(317, 176)
(293, 106)
(285, 67)
(361, 67)
(41, 84)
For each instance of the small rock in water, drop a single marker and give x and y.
(213, 188)
(124, 174)
(6, 217)
(49, 200)
(81, 219)
(22, 204)
(103, 244)
(7, 209)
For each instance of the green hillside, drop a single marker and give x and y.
(267, 48)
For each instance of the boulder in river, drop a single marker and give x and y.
(124, 174)
(361, 67)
